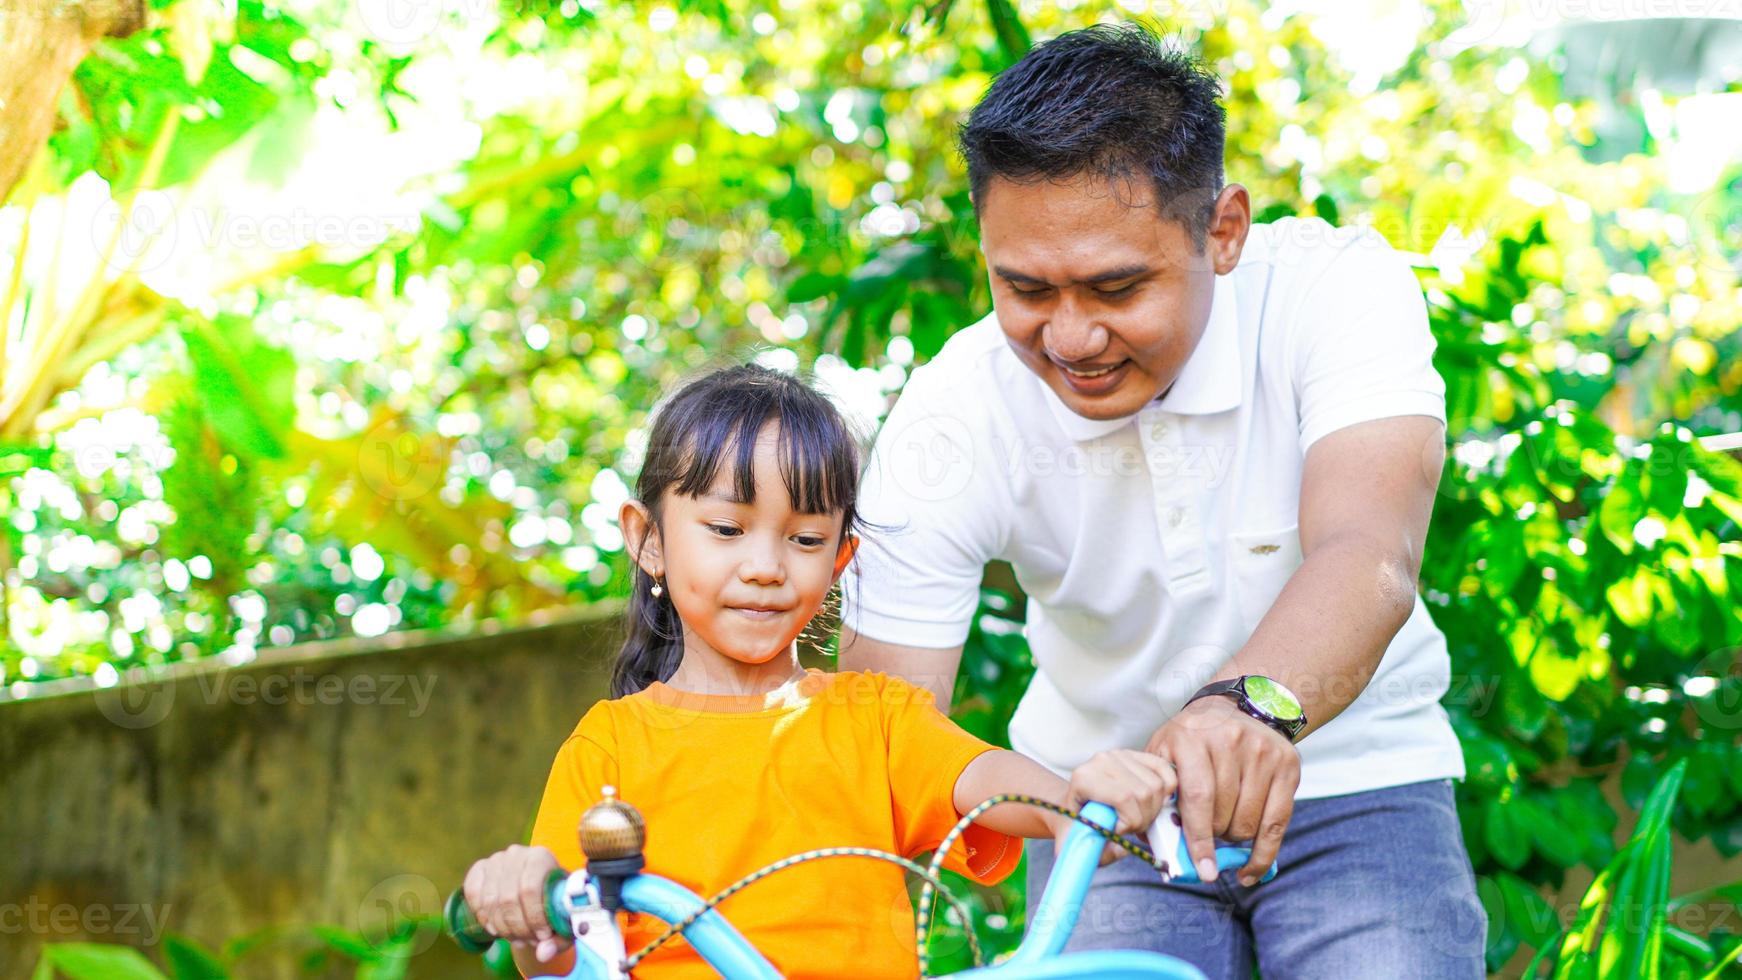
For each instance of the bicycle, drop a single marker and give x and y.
(582, 906)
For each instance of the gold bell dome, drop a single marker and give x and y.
(612, 829)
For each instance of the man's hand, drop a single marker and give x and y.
(1237, 778)
(1135, 784)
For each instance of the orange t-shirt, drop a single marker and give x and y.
(730, 783)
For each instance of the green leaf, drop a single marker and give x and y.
(349, 943)
(283, 139)
(1634, 948)
(1728, 958)
(1325, 207)
(1654, 816)
(1013, 39)
(389, 962)
(247, 388)
(1505, 556)
(1487, 762)
(1527, 911)
(813, 285)
(1630, 597)
(1621, 510)
(189, 960)
(1549, 832)
(95, 961)
(17, 458)
(1505, 838)
(1553, 674)
(1572, 959)
(1524, 709)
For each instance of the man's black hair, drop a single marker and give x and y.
(1111, 101)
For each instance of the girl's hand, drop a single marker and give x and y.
(1136, 784)
(506, 893)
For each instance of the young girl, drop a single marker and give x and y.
(736, 755)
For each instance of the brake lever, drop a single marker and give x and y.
(595, 927)
(1167, 840)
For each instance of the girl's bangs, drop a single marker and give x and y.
(818, 458)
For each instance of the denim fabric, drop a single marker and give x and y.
(1371, 884)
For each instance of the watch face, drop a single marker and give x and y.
(1272, 698)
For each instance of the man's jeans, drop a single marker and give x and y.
(1373, 884)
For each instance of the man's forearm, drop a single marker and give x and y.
(1326, 633)
(1001, 771)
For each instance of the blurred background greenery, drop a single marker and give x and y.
(326, 319)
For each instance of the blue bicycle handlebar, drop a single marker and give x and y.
(1050, 925)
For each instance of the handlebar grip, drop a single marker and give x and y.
(1167, 841)
(459, 921)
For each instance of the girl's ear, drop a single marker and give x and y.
(849, 548)
(641, 537)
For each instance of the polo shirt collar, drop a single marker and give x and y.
(1210, 382)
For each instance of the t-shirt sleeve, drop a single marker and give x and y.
(927, 753)
(1361, 348)
(936, 514)
(584, 764)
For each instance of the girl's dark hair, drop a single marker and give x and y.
(711, 422)
(1112, 101)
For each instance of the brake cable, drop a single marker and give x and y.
(932, 886)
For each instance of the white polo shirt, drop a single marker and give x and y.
(1150, 546)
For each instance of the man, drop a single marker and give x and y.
(1209, 450)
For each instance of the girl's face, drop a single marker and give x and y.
(746, 577)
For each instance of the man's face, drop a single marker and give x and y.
(1102, 297)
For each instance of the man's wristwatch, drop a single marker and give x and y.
(1263, 699)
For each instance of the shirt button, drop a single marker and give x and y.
(1158, 430)
(1175, 516)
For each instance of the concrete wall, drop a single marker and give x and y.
(325, 783)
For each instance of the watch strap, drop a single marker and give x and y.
(1235, 689)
